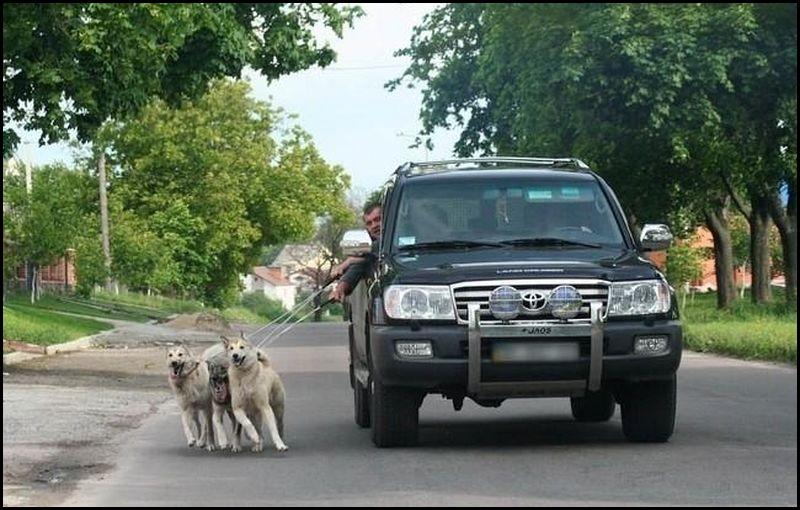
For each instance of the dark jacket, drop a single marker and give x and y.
(359, 270)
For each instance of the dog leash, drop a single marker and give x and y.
(287, 314)
(293, 324)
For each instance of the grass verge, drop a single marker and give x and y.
(44, 327)
(79, 306)
(745, 330)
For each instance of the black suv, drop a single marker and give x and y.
(506, 278)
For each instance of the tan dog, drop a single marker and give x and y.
(257, 392)
(188, 378)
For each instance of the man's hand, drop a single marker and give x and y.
(342, 289)
(339, 270)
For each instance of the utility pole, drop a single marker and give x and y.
(30, 268)
(101, 172)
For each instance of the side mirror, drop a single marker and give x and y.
(655, 237)
(355, 242)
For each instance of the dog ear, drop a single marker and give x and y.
(241, 334)
(225, 341)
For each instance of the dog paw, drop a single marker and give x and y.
(210, 448)
(236, 449)
(191, 443)
(281, 447)
(258, 447)
(223, 446)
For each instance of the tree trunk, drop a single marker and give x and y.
(717, 222)
(318, 312)
(743, 269)
(760, 291)
(101, 173)
(29, 276)
(33, 283)
(786, 221)
(636, 229)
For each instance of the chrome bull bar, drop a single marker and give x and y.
(575, 388)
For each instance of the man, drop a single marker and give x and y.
(353, 269)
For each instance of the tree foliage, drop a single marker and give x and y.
(684, 265)
(667, 102)
(75, 66)
(42, 224)
(204, 187)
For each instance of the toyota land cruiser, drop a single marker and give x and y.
(503, 278)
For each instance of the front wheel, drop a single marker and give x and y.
(648, 410)
(395, 415)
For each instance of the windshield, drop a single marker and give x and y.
(512, 211)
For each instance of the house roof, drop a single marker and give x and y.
(271, 275)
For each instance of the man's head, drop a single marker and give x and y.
(372, 220)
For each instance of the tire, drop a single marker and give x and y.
(648, 410)
(395, 415)
(594, 407)
(361, 405)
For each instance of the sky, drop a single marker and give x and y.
(354, 120)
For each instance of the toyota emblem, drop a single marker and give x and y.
(534, 301)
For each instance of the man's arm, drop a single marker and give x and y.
(339, 270)
(351, 277)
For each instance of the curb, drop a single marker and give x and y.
(18, 357)
(74, 345)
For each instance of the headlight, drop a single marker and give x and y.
(419, 302)
(638, 298)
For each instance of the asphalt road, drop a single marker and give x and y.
(735, 444)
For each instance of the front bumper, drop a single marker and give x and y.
(462, 361)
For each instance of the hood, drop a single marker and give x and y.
(454, 266)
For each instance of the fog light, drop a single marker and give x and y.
(650, 345)
(414, 349)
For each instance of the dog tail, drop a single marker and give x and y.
(263, 358)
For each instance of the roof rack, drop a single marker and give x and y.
(417, 168)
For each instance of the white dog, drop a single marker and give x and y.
(257, 392)
(188, 378)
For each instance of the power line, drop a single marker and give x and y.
(361, 68)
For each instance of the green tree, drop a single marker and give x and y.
(75, 66)
(90, 268)
(43, 223)
(740, 236)
(641, 91)
(684, 265)
(215, 182)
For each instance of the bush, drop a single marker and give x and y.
(261, 305)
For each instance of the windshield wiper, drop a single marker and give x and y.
(434, 245)
(547, 241)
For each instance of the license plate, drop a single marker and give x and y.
(535, 351)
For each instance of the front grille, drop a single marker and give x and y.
(479, 292)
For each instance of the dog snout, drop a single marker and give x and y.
(235, 357)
